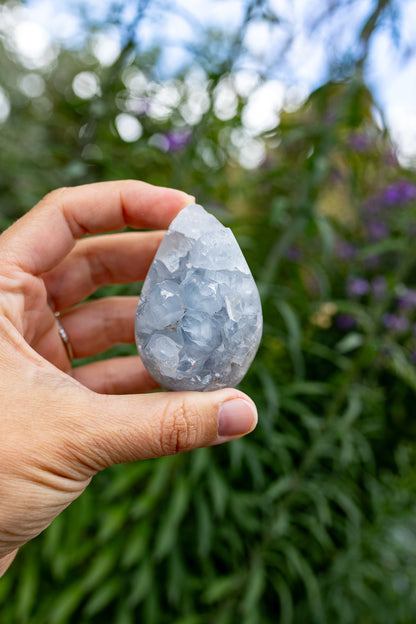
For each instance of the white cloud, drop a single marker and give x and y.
(262, 110)
(106, 46)
(402, 126)
(33, 44)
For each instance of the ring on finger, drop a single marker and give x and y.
(64, 338)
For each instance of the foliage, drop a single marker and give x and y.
(312, 517)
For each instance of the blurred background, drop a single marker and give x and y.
(295, 123)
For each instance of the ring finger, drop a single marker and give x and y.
(98, 261)
(98, 325)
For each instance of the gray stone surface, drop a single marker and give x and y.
(199, 320)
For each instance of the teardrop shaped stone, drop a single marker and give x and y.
(199, 320)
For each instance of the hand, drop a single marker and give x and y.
(60, 425)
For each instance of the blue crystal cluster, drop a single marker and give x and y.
(198, 321)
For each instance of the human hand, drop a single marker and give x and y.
(60, 425)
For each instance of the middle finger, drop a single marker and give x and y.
(100, 260)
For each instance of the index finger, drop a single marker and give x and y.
(47, 233)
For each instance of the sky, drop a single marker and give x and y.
(392, 81)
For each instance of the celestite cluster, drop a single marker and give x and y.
(199, 320)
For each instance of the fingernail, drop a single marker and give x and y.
(236, 417)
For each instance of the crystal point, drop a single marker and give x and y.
(198, 321)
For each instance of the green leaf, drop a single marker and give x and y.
(123, 616)
(28, 589)
(237, 452)
(204, 526)
(103, 563)
(346, 502)
(315, 490)
(286, 607)
(219, 491)
(276, 253)
(384, 246)
(308, 388)
(6, 583)
(167, 533)
(327, 236)
(280, 487)
(141, 582)
(113, 519)
(305, 572)
(255, 465)
(354, 408)
(350, 342)
(65, 604)
(200, 463)
(254, 587)
(103, 596)
(136, 546)
(177, 577)
(400, 365)
(245, 509)
(53, 537)
(327, 354)
(223, 587)
(271, 392)
(124, 478)
(294, 337)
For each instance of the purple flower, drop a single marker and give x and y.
(377, 230)
(407, 300)
(345, 322)
(357, 287)
(344, 250)
(379, 286)
(395, 323)
(399, 192)
(177, 139)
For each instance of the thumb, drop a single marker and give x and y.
(126, 428)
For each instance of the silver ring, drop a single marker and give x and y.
(64, 338)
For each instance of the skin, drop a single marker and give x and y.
(60, 425)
